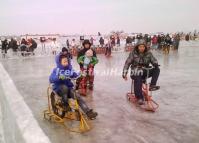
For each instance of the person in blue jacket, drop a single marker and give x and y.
(64, 87)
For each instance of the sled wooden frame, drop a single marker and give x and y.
(84, 124)
(150, 104)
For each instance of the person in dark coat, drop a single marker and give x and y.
(86, 46)
(13, 45)
(138, 59)
(65, 52)
(90, 70)
(101, 41)
(67, 44)
(118, 40)
(176, 41)
(4, 48)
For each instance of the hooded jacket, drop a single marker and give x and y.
(137, 59)
(60, 70)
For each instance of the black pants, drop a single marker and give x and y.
(138, 80)
(67, 93)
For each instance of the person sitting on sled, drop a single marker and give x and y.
(139, 58)
(64, 87)
(87, 60)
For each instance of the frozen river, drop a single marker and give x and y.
(176, 121)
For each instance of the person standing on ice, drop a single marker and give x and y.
(155, 42)
(13, 45)
(118, 41)
(92, 40)
(101, 41)
(88, 61)
(139, 58)
(4, 48)
(67, 44)
(43, 46)
(90, 69)
(54, 46)
(109, 47)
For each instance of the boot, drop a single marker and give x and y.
(153, 88)
(140, 101)
(91, 114)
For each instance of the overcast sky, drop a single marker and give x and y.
(91, 16)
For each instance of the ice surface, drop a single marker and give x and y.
(176, 121)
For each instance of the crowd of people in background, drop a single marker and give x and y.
(114, 41)
(26, 47)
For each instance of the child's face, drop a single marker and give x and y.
(89, 53)
(64, 62)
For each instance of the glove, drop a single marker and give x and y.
(62, 77)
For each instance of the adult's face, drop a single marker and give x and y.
(87, 46)
(141, 48)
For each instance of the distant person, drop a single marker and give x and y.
(187, 37)
(67, 44)
(168, 43)
(92, 40)
(145, 37)
(54, 46)
(67, 53)
(128, 40)
(112, 39)
(155, 42)
(23, 46)
(139, 36)
(4, 48)
(43, 46)
(159, 42)
(101, 41)
(13, 45)
(32, 45)
(118, 41)
(109, 47)
(176, 41)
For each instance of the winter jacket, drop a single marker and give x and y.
(136, 59)
(64, 71)
(5, 45)
(93, 60)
